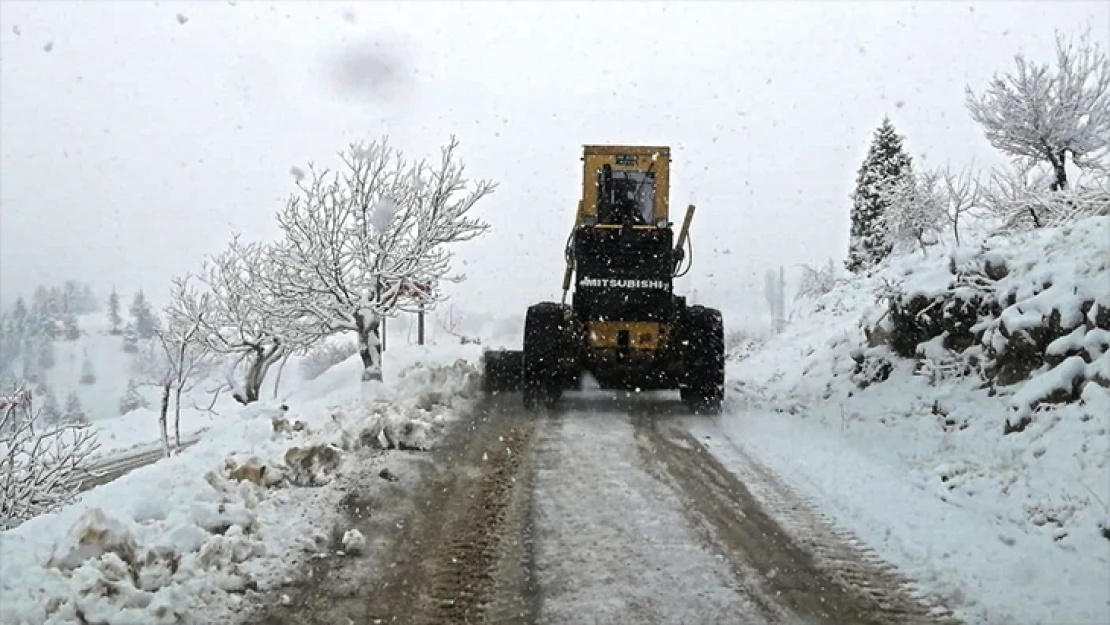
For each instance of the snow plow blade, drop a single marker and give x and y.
(502, 370)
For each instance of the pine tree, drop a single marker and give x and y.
(73, 412)
(88, 376)
(70, 293)
(113, 312)
(130, 339)
(132, 399)
(886, 164)
(43, 318)
(19, 319)
(142, 315)
(51, 415)
(72, 331)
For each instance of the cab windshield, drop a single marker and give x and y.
(632, 199)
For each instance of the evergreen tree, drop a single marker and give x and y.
(43, 320)
(113, 312)
(886, 164)
(132, 400)
(51, 415)
(13, 334)
(9, 343)
(72, 331)
(130, 339)
(19, 319)
(142, 315)
(73, 412)
(88, 376)
(70, 293)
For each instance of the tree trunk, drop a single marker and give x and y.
(1058, 165)
(281, 368)
(261, 359)
(370, 349)
(177, 417)
(162, 418)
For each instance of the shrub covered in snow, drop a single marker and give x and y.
(1032, 308)
(39, 463)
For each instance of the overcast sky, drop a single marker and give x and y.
(137, 136)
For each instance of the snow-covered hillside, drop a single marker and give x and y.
(953, 410)
(172, 537)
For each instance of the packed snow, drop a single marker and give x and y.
(983, 474)
(236, 510)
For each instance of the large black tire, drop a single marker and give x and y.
(704, 391)
(546, 339)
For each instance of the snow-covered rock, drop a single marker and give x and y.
(353, 542)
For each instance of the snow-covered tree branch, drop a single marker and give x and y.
(39, 463)
(172, 362)
(960, 192)
(1046, 114)
(371, 239)
(1020, 196)
(238, 316)
(816, 281)
(917, 209)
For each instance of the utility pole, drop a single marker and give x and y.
(420, 325)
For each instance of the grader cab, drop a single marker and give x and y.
(624, 325)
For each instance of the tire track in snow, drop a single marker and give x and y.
(612, 545)
(450, 546)
(798, 557)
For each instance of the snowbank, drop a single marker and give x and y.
(229, 513)
(970, 446)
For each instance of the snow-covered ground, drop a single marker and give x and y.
(1010, 526)
(182, 533)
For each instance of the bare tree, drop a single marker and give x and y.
(1045, 114)
(173, 362)
(237, 316)
(960, 193)
(451, 324)
(40, 464)
(371, 240)
(817, 281)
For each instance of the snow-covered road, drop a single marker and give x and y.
(605, 510)
(613, 541)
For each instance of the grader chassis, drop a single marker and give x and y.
(624, 324)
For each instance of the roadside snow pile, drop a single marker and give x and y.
(986, 374)
(230, 514)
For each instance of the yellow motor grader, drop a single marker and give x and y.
(624, 324)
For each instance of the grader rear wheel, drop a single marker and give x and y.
(545, 341)
(704, 391)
